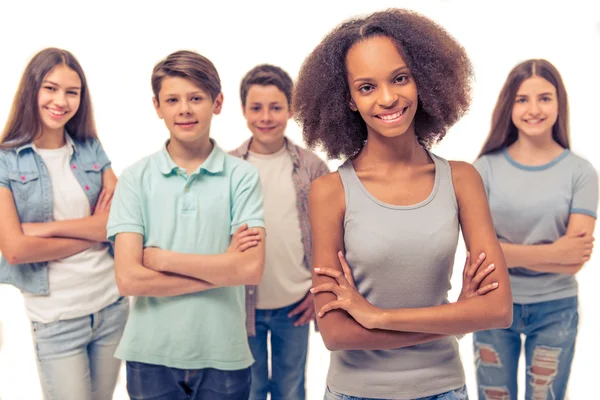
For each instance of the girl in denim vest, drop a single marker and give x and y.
(56, 186)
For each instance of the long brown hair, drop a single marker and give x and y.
(503, 132)
(24, 124)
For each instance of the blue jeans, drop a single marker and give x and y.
(157, 382)
(289, 346)
(458, 394)
(550, 330)
(75, 356)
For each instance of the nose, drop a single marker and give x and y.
(60, 99)
(387, 96)
(265, 115)
(534, 108)
(184, 107)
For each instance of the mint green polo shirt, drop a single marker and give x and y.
(193, 214)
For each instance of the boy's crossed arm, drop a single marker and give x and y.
(138, 274)
(232, 268)
(133, 279)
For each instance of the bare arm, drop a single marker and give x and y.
(493, 310)
(338, 329)
(566, 256)
(18, 248)
(91, 228)
(133, 279)
(227, 269)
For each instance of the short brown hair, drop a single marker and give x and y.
(189, 65)
(438, 63)
(24, 123)
(503, 131)
(264, 75)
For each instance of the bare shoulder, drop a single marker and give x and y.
(464, 174)
(327, 191)
(328, 186)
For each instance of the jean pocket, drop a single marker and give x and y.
(23, 184)
(148, 380)
(227, 382)
(458, 394)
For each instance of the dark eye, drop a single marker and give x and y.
(255, 108)
(546, 99)
(521, 100)
(365, 89)
(196, 98)
(50, 88)
(72, 93)
(401, 79)
(277, 108)
(171, 100)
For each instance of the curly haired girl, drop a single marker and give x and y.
(380, 91)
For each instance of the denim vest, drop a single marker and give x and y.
(23, 171)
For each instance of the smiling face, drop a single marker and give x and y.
(58, 98)
(535, 110)
(381, 86)
(186, 109)
(267, 113)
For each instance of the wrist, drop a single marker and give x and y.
(380, 318)
(167, 256)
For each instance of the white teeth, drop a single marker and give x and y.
(57, 113)
(390, 117)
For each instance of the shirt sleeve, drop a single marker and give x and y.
(585, 191)
(4, 182)
(101, 158)
(320, 170)
(482, 166)
(247, 199)
(126, 209)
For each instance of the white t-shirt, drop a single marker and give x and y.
(83, 283)
(285, 280)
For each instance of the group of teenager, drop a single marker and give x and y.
(229, 255)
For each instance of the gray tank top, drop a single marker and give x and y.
(401, 257)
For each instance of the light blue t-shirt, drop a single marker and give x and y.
(531, 205)
(193, 214)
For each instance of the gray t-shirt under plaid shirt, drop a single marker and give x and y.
(531, 205)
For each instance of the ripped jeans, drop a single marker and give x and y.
(550, 330)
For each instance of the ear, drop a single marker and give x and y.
(157, 107)
(352, 105)
(218, 104)
(290, 113)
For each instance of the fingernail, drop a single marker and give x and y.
(317, 269)
(482, 255)
(495, 284)
(320, 315)
(492, 266)
(312, 290)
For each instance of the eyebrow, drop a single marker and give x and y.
(198, 92)
(56, 84)
(394, 72)
(541, 94)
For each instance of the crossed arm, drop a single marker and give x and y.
(47, 241)
(157, 272)
(406, 327)
(567, 255)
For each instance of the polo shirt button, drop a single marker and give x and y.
(251, 291)
(187, 189)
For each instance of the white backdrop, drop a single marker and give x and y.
(119, 42)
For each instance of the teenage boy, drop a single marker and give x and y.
(281, 303)
(172, 218)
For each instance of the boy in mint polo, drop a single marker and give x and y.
(172, 218)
